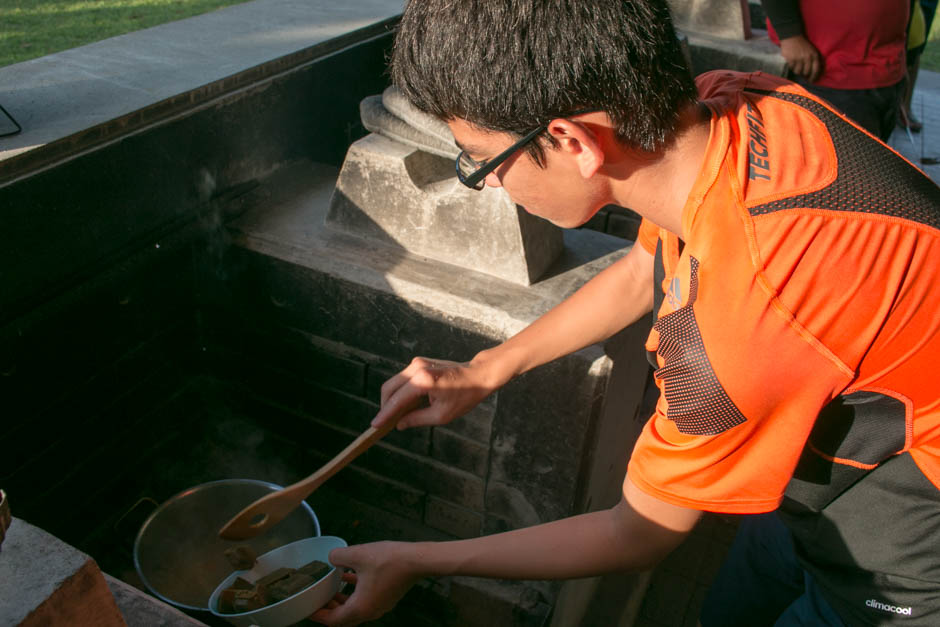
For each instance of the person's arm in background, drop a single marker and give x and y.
(443, 390)
(801, 56)
(634, 535)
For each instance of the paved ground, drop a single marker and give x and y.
(926, 107)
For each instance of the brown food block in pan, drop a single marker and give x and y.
(280, 590)
(315, 569)
(227, 601)
(241, 583)
(241, 557)
(247, 600)
(273, 576)
(232, 601)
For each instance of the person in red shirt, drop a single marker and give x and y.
(791, 262)
(849, 53)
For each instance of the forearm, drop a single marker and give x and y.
(580, 546)
(615, 540)
(618, 296)
(632, 536)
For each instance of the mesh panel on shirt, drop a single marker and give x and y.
(871, 178)
(697, 402)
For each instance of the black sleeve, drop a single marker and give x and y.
(785, 17)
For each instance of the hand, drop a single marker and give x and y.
(382, 577)
(802, 57)
(435, 391)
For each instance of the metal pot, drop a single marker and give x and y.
(178, 553)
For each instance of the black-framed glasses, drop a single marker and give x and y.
(473, 173)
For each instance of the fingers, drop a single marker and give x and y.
(342, 557)
(335, 613)
(424, 417)
(802, 66)
(815, 67)
(802, 57)
(809, 64)
(392, 385)
(431, 392)
(406, 397)
(799, 68)
(406, 391)
(339, 614)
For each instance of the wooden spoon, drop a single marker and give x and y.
(272, 508)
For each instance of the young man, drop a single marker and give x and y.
(792, 262)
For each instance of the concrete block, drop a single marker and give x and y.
(396, 194)
(382, 492)
(459, 451)
(482, 602)
(459, 487)
(299, 353)
(143, 610)
(716, 53)
(376, 376)
(508, 507)
(477, 424)
(382, 299)
(543, 431)
(730, 19)
(613, 600)
(44, 581)
(356, 521)
(453, 519)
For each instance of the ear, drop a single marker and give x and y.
(579, 141)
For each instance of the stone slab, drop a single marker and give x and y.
(397, 194)
(453, 519)
(44, 581)
(287, 224)
(729, 19)
(142, 610)
(758, 53)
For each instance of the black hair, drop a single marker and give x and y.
(513, 65)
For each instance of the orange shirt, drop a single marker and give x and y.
(808, 282)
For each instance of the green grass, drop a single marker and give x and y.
(34, 28)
